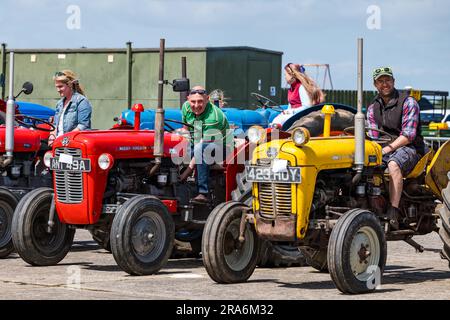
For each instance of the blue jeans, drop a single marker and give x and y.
(205, 155)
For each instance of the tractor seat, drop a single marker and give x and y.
(419, 168)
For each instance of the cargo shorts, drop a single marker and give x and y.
(406, 157)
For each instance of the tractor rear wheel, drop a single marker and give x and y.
(142, 235)
(30, 235)
(271, 254)
(276, 255)
(316, 258)
(8, 203)
(357, 252)
(314, 122)
(444, 232)
(188, 244)
(102, 239)
(226, 259)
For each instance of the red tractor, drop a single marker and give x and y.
(22, 147)
(112, 183)
(124, 186)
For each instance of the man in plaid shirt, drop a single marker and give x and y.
(397, 114)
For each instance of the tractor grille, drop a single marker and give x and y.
(275, 199)
(69, 185)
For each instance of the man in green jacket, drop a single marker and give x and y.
(211, 136)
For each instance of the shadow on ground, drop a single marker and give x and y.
(392, 275)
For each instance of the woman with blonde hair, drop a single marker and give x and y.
(73, 110)
(303, 92)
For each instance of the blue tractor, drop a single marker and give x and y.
(35, 110)
(240, 119)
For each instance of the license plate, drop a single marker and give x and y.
(265, 174)
(77, 165)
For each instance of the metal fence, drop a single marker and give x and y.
(348, 97)
(435, 142)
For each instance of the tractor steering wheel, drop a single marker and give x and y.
(179, 122)
(389, 137)
(176, 121)
(34, 122)
(264, 101)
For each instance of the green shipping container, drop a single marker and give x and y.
(238, 71)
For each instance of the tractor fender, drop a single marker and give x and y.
(436, 177)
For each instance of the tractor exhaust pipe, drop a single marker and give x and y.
(158, 150)
(359, 120)
(9, 137)
(184, 94)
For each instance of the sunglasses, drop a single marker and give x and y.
(379, 70)
(379, 81)
(60, 74)
(198, 91)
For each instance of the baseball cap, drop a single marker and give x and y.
(383, 71)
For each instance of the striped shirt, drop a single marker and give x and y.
(410, 119)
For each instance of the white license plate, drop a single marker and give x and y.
(265, 174)
(77, 165)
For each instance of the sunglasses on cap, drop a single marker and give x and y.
(198, 91)
(60, 74)
(379, 70)
(299, 67)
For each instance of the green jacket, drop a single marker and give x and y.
(211, 125)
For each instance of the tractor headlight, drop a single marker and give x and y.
(47, 158)
(256, 134)
(105, 161)
(300, 136)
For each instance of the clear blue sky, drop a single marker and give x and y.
(412, 36)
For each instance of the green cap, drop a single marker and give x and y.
(384, 71)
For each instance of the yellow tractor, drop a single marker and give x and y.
(313, 193)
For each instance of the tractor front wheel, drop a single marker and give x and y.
(8, 203)
(30, 234)
(357, 252)
(226, 258)
(142, 235)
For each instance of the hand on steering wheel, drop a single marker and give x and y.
(264, 101)
(387, 139)
(34, 122)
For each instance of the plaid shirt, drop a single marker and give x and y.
(410, 119)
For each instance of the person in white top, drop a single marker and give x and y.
(303, 92)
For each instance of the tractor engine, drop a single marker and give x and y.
(26, 172)
(26, 165)
(133, 177)
(418, 205)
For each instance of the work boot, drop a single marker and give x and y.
(393, 215)
(200, 199)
